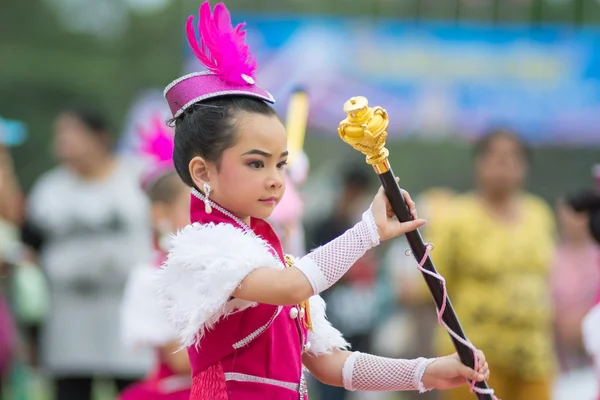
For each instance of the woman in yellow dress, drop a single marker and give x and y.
(497, 245)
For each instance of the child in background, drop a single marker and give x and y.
(143, 322)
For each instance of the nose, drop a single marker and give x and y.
(276, 179)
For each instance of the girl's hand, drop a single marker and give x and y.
(449, 373)
(385, 219)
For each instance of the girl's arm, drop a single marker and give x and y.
(213, 270)
(324, 266)
(366, 372)
(178, 361)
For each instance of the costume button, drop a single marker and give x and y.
(307, 346)
(293, 313)
(301, 312)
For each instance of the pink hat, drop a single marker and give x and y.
(223, 51)
(157, 144)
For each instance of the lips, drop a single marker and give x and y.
(271, 199)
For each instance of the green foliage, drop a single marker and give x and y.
(44, 68)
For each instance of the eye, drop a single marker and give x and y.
(282, 164)
(256, 164)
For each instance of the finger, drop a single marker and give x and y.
(410, 204)
(403, 227)
(469, 373)
(409, 201)
(480, 357)
(486, 375)
(483, 368)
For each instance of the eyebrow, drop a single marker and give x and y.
(263, 153)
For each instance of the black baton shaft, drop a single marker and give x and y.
(417, 246)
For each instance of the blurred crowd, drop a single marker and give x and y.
(521, 273)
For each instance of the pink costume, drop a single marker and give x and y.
(240, 350)
(256, 351)
(143, 321)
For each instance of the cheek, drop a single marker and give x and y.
(236, 179)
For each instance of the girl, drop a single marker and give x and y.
(248, 322)
(142, 321)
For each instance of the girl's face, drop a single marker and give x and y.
(249, 181)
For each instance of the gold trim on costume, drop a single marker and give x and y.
(307, 321)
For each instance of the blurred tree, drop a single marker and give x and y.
(55, 53)
(46, 67)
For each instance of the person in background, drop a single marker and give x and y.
(10, 218)
(352, 304)
(415, 311)
(88, 219)
(287, 216)
(575, 280)
(495, 249)
(144, 324)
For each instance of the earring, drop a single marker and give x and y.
(206, 189)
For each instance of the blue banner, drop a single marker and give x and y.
(436, 79)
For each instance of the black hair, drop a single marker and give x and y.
(165, 189)
(482, 147)
(94, 120)
(587, 200)
(207, 128)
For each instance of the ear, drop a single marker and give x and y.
(199, 171)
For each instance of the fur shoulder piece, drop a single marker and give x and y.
(205, 265)
(324, 338)
(143, 323)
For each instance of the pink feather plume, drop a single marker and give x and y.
(157, 141)
(222, 48)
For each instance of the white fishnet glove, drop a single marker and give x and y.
(325, 265)
(367, 372)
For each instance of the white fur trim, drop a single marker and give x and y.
(143, 321)
(204, 267)
(591, 331)
(324, 337)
